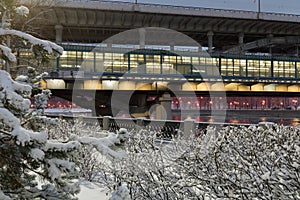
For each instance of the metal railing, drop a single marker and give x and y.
(166, 129)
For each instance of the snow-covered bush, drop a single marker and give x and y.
(122, 193)
(96, 145)
(255, 162)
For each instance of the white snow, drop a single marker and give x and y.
(54, 171)
(37, 154)
(9, 90)
(8, 118)
(21, 78)
(92, 191)
(47, 45)
(122, 193)
(58, 146)
(23, 136)
(57, 166)
(22, 10)
(103, 144)
(7, 52)
(3, 196)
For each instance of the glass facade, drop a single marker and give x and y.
(148, 61)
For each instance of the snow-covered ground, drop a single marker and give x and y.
(92, 191)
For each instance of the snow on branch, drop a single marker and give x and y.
(22, 10)
(12, 92)
(103, 144)
(47, 45)
(7, 52)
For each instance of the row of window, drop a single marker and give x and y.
(174, 64)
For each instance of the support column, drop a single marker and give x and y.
(164, 112)
(270, 46)
(142, 34)
(172, 47)
(189, 128)
(58, 33)
(241, 38)
(297, 51)
(210, 41)
(105, 124)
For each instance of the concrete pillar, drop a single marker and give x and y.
(58, 33)
(164, 112)
(189, 128)
(210, 41)
(297, 51)
(106, 123)
(140, 122)
(172, 47)
(270, 46)
(241, 38)
(142, 34)
(109, 45)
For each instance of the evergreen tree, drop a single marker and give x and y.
(27, 156)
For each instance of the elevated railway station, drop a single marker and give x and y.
(250, 58)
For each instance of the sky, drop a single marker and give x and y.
(278, 6)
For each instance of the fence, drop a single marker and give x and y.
(163, 128)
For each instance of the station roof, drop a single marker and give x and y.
(96, 21)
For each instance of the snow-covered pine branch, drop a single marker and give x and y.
(26, 154)
(45, 44)
(7, 53)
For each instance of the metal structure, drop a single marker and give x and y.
(219, 30)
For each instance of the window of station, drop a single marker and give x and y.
(289, 69)
(183, 65)
(153, 64)
(253, 68)
(169, 64)
(99, 65)
(26, 55)
(212, 66)
(108, 62)
(265, 68)
(197, 68)
(172, 64)
(86, 60)
(68, 59)
(278, 69)
(141, 63)
(298, 69)
(202, 65)
(133, 63)
(227, 67)
(240, 67)
(119, 63)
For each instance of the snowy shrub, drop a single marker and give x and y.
(121, 193)
(96, 144)
(255, 162)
